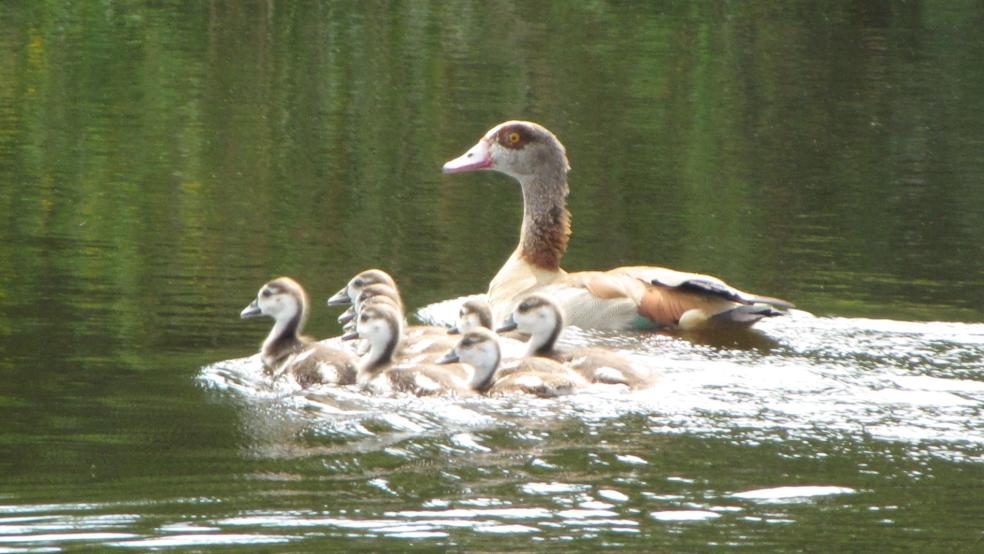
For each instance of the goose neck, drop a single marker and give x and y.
(542, 343)
(381, 351)
(546, 221)
(484, 370)
(282, 338)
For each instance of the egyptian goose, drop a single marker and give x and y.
(635, 297)
(380, 371)
(479, 348)
(285, 351)
(541, 319)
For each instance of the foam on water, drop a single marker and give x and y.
(805, 375)
(916, 388)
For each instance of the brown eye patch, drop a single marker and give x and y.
(271, 289)
(514, 136)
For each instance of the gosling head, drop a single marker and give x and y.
(349, 293)
(540, 318)
(378, 323)
(478, 348)
(473, 314)
(369, 295)
(283, 299)
(379, 291)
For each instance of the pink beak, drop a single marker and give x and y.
(478, 157)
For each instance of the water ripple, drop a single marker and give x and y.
(809, 388)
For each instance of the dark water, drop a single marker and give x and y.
(160, 161)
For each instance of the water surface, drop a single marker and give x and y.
(159, 162)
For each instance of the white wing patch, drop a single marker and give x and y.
(585, 310)
(529, 381)
(380, 385)
(413, 361)
(328, 372)
(425, 383)
(303, 356)
(420, 346)
(609, 375)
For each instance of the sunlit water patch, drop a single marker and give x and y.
(808, 377)
(791, 494)
(915, 382)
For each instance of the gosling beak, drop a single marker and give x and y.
(449, 357)
(350, 335)
(478, 157)
(508, 325)
(250, 311)
(347, 315)
(340, 298)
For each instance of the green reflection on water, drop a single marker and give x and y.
(159, 161)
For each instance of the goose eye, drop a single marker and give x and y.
(266, 292)
(513, 138)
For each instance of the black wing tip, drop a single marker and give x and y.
(722, 290)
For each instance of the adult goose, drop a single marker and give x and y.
(286, 351)
(635, 297)
(541, 319)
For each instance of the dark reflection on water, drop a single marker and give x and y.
(158, 162)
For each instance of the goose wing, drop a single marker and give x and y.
(699, 284)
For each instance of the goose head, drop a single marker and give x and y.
(520, 149)
(473, 314)
(351, 290)
(378, 292)
(540, 318)
(349, 319)
(283, 299)
(478, 348)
